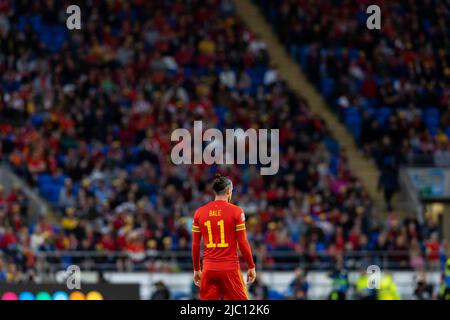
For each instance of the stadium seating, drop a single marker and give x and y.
(92, 113)
(349, 54)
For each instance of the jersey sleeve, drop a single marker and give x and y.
(195, 223)
(196, 238)
(240, 220)
(241, 238)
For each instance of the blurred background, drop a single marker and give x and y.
(86, 116)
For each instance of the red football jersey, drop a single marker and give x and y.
(219, 222)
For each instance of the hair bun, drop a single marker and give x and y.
(220, 183)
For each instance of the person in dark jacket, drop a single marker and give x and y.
(423, 290)
(388, 182)
(161, 292)
(299, 285)
(258, 290)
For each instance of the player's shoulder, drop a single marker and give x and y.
(236, 208)
(200, 209)
(203, 208)
(239, 214)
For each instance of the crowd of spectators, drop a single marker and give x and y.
(391, 83)
(86, 119)
(389, 86)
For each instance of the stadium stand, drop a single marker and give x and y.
(86, 119)
(391, 83)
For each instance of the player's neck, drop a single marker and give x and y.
(221, 199)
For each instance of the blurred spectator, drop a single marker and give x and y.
(362, 289)
(66, 195)
(161, 292)
(433, 251)
(258, 290)
(195, 292)
(389, 184)
(340, 284)
(423, 289)
(299, 285)
(388, 289)
(444, 287)
(2, 271)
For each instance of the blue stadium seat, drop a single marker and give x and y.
(53, 197)
(293, 49)
(76, 188)
(382, 114)
(200, 72)
(153, 198)
(327, 86)
(37, 119)
(353, 53)
(44, 179)
(275, 295)
(333, 165)
(221, 113)
(187, 72)
(353, 122)
(337, 52)
(35, 21)
(130, 167)
(181, 295)
(352, 117)
(304, 52)
(447, 131)
(59, 180)
(332, 145)
(45, 190)
(431, 119)
(52, 37)
(432, 112)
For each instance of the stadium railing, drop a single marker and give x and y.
(173, 261)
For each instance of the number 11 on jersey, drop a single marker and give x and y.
(211, 243)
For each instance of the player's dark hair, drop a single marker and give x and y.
(220, 184)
